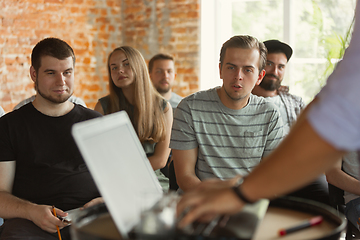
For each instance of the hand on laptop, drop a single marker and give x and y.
(208, 200)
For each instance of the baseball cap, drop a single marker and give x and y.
(276, 45)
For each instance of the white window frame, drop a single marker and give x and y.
(216, 28)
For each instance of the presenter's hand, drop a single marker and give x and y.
(208, 200)
(44, 218)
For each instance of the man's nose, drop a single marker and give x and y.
(239, 74)
(276, 71)
(60, 80)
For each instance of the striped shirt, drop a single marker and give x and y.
(229, 142)
(293, 104)
(289, 106)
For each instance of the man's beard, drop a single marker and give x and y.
(163, 90)
(270, 85)
(60, 99)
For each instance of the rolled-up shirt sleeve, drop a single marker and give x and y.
(336, 114)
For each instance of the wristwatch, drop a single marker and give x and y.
(239, 193)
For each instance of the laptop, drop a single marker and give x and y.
(128, 184)
(119, 166)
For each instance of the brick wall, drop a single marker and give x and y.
(93, 28)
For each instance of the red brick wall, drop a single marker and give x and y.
(93, 28)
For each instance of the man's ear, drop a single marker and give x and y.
(261, 76)
(33, 74)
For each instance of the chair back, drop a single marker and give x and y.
(336, 198)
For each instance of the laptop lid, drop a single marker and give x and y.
(119, 167)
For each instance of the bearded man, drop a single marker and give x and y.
(289, 106)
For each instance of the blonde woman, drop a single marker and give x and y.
(151, 115)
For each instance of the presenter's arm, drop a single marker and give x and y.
(14, 207)
(304, 155)
(300, 158)
(184, 165)
(162, 151)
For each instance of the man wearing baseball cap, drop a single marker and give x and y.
(289, 105)
(279, 54)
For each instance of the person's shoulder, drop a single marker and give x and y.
(203, 99)
(2, 112)
(194, 99)
(104, 100)
(294, 100)
(201, 95)
(24, 102)
(80, 109)
(77, 100)
(259, 103)
(284, 91)
(258, 100)
(175, 97)
(20, 113)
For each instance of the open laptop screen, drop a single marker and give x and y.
(119, 166)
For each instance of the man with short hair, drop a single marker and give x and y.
(326, 130)
(40, 164)
(226, 131)
(162, 74)
(290, 106)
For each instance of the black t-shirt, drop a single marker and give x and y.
(49, 167)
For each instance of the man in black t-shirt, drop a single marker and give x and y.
(40, 165)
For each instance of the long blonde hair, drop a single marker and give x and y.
(148, 118)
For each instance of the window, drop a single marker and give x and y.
(316, 30)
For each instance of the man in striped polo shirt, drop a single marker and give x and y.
(226, 131)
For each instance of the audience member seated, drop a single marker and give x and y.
(345, 176)
(72, 99)
(289, 105)
(226, 131)
(40, 164)
(323, 133)
(151, 115)
(162, 74)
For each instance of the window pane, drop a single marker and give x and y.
(318, 25)
(261, 19)
(318, 30)
(309, 83)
